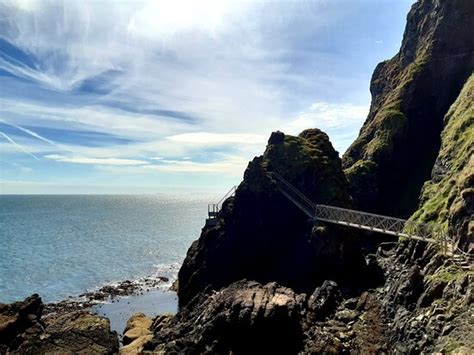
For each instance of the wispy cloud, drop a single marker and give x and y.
(138, 86)
(204, 138)
(94, 161)
(19, 146)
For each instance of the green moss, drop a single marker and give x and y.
(457, 148)
(452, 345)
(391, 123)
(309, 160)
(451, 273)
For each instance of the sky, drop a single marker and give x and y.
(177, 96)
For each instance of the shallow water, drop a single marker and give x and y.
(60, 246)
(150, 303)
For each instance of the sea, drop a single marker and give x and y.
(64, 245)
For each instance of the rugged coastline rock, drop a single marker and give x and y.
(23, 330)
(246, 317)
(264, 279)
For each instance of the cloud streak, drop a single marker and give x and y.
(20, 147)
(108, 87)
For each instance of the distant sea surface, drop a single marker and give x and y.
(64, 245)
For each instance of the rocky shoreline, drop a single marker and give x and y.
(108, 293)
(30, 326)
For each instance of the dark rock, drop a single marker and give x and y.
(351, 303)
(407, 289)
(324, 300)
(433, 292)
(245, 317)
(391, 159)
(23, 331)
(347, 315)
(15, 318)
(264, 237)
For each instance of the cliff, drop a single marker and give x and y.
(262, 236)
(397, 145)
(448, 198)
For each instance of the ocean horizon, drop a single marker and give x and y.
(61, 246)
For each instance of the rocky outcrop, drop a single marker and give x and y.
(426, 307)
(245, 317)
(18, 317)
(262, 236)
(23, 331)
(411, 93)
(136, 334)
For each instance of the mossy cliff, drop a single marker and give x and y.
(262, 236)
(411, 93)
(448, 198)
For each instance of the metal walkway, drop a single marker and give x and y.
(430, 233)
(362, 220)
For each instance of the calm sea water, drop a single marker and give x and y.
(60, 246)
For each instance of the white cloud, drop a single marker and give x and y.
(207, 139)
(236, 69)
(95, 161)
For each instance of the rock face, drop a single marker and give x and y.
(245, 317)
(411, 93)
(23, 331)
(448, 198)
(262, 236)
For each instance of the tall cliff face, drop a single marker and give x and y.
(411, 93)
(262, 236)
(448, 198)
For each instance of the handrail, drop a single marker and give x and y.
(214, 208)
(292, 188)
(228, 194)
(431, 233)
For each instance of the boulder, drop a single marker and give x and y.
(73, 333)
(324, 300)
(137, 326)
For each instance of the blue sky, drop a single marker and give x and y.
(177, 96)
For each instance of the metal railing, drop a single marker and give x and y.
(293, 194)
(431, 233)
(214, 208)
(389, 225)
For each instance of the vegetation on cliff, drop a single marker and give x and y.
(448, 198)
(411, 93)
